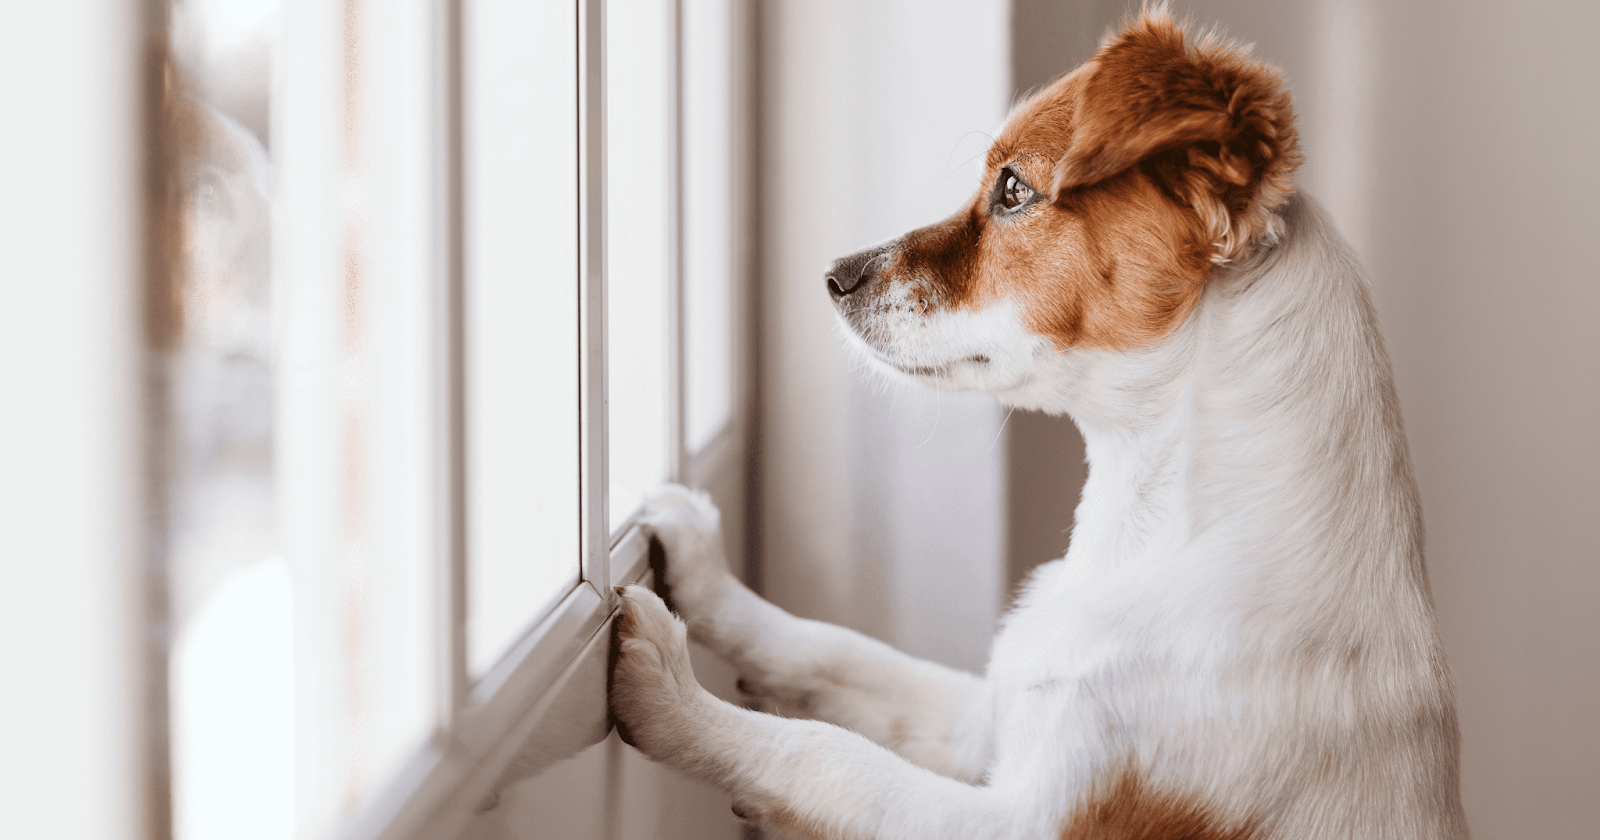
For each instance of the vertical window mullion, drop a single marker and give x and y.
(456, 681)
(592, 291)
(676, 443)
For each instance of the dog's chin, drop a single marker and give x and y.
(964, 373)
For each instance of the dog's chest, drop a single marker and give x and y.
(1053, 667)
(1083, 638)
(1056, 641)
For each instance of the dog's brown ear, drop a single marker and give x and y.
(1212, 126)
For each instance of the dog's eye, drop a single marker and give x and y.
(1013, 193)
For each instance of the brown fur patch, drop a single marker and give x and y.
(1208, 122)
(1151, 162)
(1128, 809)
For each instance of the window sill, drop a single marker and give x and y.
(545, 701)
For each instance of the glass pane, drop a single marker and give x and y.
(521, 299)
(233, 710)
(707, 231)
(637, 250)
(230, 597)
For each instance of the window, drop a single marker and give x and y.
(450, 287)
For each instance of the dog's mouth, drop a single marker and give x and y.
(944, 369)
(883, 349)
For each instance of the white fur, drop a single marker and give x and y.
(1243, 613)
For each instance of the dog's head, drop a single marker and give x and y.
(1108, 199)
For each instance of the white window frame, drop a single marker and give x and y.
(544, 699)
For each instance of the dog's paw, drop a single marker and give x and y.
(654, 694)
(689, 529)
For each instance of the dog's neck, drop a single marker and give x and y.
(1265, 427)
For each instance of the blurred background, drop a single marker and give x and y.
(228, 600)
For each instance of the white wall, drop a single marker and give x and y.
(1455, 145)
(881, 506)
(75, 760)
(1483, 226)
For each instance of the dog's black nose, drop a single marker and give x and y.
(848, 274)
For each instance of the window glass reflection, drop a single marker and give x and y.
(230, 598)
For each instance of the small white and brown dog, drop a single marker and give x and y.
(1240, 643)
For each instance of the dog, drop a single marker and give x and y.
(1240, 643)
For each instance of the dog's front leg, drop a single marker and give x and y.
(935, 716)
(808, 776)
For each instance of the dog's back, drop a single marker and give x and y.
(1241, 635)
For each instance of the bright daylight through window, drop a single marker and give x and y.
(521, 331)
